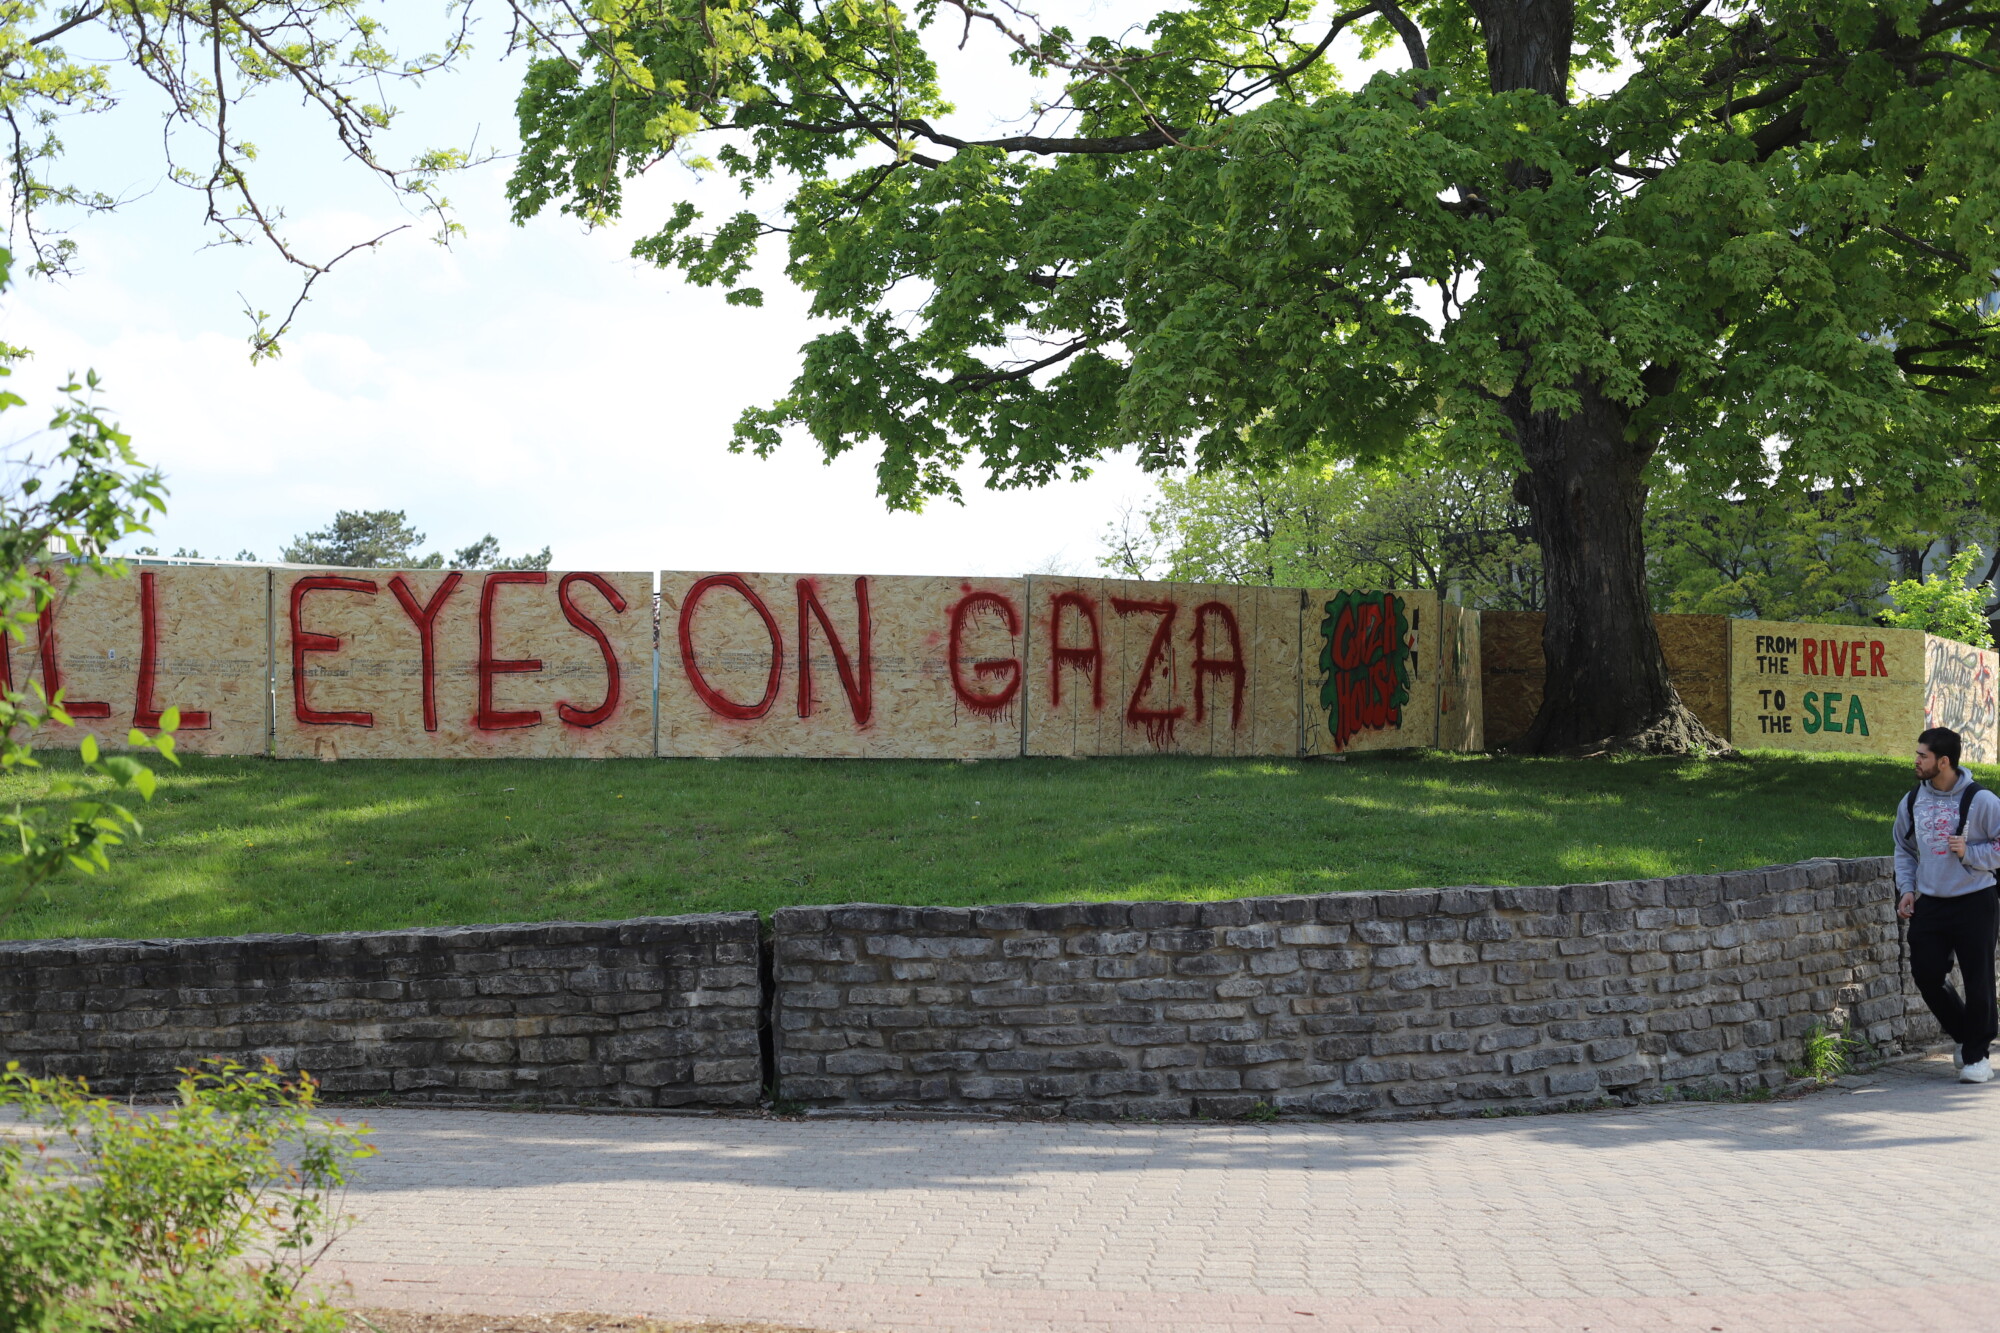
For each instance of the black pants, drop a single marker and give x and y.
(1965, 927)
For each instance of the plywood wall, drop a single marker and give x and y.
(206, 655)
(524, 664)
(1461, 714)
(1512, 673)
(1959, 693)
(781, 664)
(1826, 687)
(1360, 650)
(1697, 649)
(1119, 667)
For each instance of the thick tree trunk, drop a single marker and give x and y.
(1606, 679)
(1606, 685)
(1528, 44)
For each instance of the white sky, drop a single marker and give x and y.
(531, 382)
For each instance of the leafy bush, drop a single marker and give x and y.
(202, 1217)
(1943, 604)
(72, 506)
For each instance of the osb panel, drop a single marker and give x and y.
(374, 670)
(1461, 707)
(1959, 693)
(1510, 680)
(209, 655)
(1696, 649)
(1697, 653)
(903, 696)
(1826, 687)
(1163, 679)
(1347, 616)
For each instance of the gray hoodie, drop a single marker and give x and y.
(1925, 864)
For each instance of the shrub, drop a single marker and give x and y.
(201, 1217)
(1943, 603)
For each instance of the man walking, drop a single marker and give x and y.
(1947, 848)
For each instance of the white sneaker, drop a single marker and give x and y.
(1978, 1072)
(1957, 1058)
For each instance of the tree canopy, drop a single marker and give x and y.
(1787, 552)
(1567, 238)
(1770, 552)
(1456, 530)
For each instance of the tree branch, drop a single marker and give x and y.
(1018, 143)
(1949, 257)
(987, 379)
(80, 18)
(1310, 58)
(1787, 131)
(1413, 38)
(1687, 19)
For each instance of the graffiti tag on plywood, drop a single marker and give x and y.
(1959, 693)
(1365, 663)
(1124, 667)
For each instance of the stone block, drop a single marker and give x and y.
(1492, 1089)
(1255, 1053)
(1152, 916)
(982, 1089)
(1612, 1049)
(1377, 1071)
(1342, 1103)
(1526, 1062)
(1013, 1062)
(1569, 1083)
(742, 1070)
(1205, 1080)
(1506, 1039)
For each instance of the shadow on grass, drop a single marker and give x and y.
(237, 845)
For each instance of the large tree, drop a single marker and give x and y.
(1763, 232)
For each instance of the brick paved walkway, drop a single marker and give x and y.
(1865, 1208)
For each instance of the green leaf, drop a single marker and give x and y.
(88, 748)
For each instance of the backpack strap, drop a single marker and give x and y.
(1972, 789)
(1965, 809)
(1910, 817)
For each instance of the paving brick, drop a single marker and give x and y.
(1653, 1218)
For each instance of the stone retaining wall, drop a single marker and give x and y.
(1448, 1000)
(663, 1011)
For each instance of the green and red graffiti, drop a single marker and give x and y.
(1365, 661)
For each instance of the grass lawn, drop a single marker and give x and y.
(240, 845)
